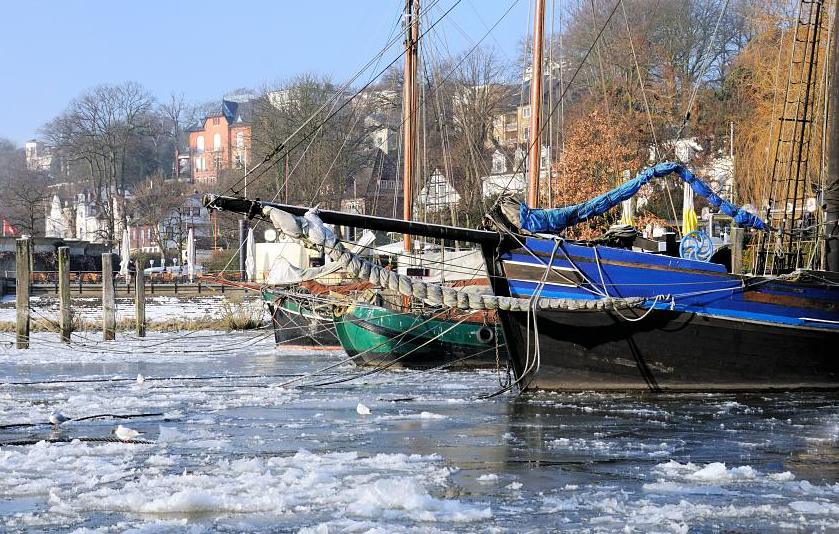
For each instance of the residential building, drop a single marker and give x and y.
(376, 189)
(174, 227)
(512, 125)
(383, 135)
(78, 217)
(508, 172)
(222, 141)
(38, 155)
(60, 219)
(437, 194)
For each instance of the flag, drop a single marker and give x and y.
(626, 213)
(689, 220)
(8, 229)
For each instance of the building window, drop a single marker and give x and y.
(240, 140)
(216, 121)
(525, 112)
(199, 143)
(216, 142)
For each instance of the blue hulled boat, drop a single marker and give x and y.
(700, 328)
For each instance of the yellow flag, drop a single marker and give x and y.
(626, 213)
(689, 220)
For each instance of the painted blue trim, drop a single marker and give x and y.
(697, 287)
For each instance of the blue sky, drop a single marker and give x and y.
(54, 50)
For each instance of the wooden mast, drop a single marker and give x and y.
(831, 191)
(409, 111)
(535, 139)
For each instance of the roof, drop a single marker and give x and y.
(378, 167)
(234, 112)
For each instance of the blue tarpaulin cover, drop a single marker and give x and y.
(558, 219)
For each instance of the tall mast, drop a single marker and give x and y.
(831, 191)
(534, 152)
(409, 111)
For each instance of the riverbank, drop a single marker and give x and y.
(163, 313)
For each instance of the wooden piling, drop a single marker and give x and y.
(737, 236)
(140, 301)
(23, 252)
(66, 316)
(109, 321)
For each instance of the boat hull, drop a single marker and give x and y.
(376, 336)
(676, 351)
(299, 324)
(708, 330)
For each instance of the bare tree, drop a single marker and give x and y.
(159, 204)
(326, 155)
(103, 138)
(23, 191)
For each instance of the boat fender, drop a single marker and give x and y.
(486, 335)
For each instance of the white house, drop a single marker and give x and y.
(438, 193)
(79, 218)
(60, 219)
(508, 174)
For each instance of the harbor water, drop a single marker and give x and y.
(228, 445)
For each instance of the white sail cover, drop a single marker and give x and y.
(190, 254)
(250, 256)
(124, 253)
(283, 273)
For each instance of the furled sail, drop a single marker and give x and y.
(558, 219)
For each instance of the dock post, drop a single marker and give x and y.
(736, 250)
(23, 252)
(140, 302)
(66, 317)
(108, 304)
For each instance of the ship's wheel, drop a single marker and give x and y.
(696, 245)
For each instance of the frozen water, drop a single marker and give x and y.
(236, 447)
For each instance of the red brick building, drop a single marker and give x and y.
(222, 141)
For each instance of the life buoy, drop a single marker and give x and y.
(485, 335)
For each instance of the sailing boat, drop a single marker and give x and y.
(382, 336)
(371, 332)
(581, 316)
(700, 328)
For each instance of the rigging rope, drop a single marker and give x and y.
(310, 230)
(282, 146)
(553, 109)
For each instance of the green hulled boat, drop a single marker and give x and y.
(377, 336)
